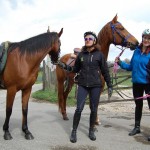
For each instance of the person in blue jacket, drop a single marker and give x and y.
(140, 67)
(90, 64)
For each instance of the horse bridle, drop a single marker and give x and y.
(124, 39)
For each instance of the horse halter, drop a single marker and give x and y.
(124, 39)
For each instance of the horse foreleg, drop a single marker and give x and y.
(25, 99)
(66, 93)
(11, 92)
(63, 108)
(64, 113)
(97, 122)
(61, 100)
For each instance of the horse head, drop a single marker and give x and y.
(55, 51)
(121, 36)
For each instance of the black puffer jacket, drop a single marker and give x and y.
(90, 65)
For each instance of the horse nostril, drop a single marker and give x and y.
(137, 43)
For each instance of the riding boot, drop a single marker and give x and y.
(149, 138)
(92, 123)
(76, 120)
(136, 129)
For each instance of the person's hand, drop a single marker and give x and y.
(117, 60)
(110, 91)
(64, 66)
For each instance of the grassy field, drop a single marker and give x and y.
(51, 95)
(39, 78)
(122, 76)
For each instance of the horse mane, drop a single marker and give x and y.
(103, 33)
(35, 44)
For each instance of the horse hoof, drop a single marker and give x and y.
(7, 135)
(97, 123)
(66, 118)
(95, 129)
(29, 136)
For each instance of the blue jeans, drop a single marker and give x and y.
(94, 96)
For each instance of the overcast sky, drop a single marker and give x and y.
(22, 19)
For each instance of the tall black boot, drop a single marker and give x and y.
(136, 129)
(76, 120)
(149, 138)
(92, 123)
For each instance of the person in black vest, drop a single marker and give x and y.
(90, 64)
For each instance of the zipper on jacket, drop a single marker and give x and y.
(88, 67)
(91, 58)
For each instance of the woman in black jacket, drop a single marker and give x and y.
(90, 64)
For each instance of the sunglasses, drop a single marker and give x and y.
(89, 39)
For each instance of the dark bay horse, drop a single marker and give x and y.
(112, 33)
(21, 72)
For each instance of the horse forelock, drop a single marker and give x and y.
(36, 44)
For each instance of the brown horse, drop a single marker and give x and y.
(112, 33)
(21, 72)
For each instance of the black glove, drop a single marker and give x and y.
(62, 65)
(110, 91)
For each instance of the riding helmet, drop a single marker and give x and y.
(91, 33)
(146, 32)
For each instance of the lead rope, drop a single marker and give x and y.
(115, 69)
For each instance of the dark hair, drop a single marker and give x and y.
(97, 46)
(148, 47)
(91, 33)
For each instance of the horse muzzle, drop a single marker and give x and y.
(132, 46)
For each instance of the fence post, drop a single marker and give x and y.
(49, 76)
(44, 75)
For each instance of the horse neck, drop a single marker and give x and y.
(36, 59)
(105, 50)
(105, 40)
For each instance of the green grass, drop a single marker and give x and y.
(120, 78)
(39, 78)
(51, 96)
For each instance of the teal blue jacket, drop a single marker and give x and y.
(140, 67)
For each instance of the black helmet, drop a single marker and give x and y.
(91, 33)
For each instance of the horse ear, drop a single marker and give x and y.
(60, 33)
(115, 19)
(48, 30)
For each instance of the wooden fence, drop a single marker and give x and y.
(49, 76)
(49, 81)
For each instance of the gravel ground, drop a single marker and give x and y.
(51, 132)
(120, 104)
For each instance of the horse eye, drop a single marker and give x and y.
(122, 28)
(119, 27)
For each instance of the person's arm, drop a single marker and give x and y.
(106, 75)
(125, 66)
(64, 66)
(68, 68)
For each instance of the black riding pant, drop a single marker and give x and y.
(94, 97)
(138, 91)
